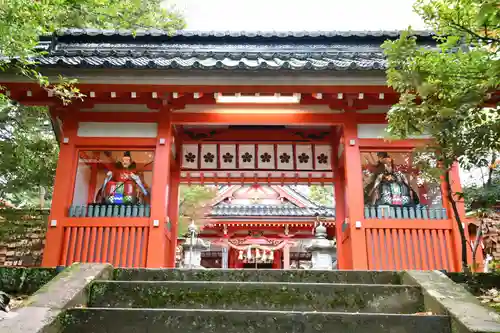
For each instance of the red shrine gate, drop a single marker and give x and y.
(188, 109)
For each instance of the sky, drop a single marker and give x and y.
(296, 15)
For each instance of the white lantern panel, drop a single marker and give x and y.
(190, 156)
(246, 156)
(303, 157)
(266, 156)
(323, 157)
(208, 156)
(227, 156)
(284, 157)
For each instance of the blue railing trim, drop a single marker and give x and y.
(405, 213)
(101, 210)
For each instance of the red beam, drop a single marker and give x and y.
(240, 136)
(407, 224)
(249, 118)
(106, 222)
(161, 89)
(233, 118)
(255, 180)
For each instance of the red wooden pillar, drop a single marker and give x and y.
(339, 195)
(173, 213)
(277, 259)
(354, 194)
(157, 241)
(339, 216)
(63, 185)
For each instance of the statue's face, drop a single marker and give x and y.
(126, 161)
(385, 160)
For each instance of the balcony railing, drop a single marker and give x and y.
(405, 213)
(99, 210)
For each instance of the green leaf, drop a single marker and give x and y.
(28, 149)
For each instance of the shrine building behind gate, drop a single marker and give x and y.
(231, 108)
(262, 226)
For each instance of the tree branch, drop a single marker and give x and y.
(489, 40)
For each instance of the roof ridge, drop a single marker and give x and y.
(238, 33)
(254, 210)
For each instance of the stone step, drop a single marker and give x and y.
(104, 320)
(257, 296)
(269, 275)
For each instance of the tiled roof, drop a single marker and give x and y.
(228, 33)
(268, 211)
(319, 50)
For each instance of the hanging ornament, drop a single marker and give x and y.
(249, 253)
(271, 255)
(240, 255)
(257, 253)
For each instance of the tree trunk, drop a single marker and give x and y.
(490, 170)
(479, 236)
(449, 194)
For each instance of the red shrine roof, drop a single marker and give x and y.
(242, 202)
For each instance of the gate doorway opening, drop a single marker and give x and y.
(255, 226)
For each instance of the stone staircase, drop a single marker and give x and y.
(244, 301)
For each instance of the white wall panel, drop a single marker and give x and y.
(371, 131)
(377, 131)
(118, 130)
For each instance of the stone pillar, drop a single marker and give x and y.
(192, 254)
(225, 254)
(286, 256)
(225, 257)
(323, 250)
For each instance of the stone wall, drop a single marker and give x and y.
(22, 237)
(491, 235)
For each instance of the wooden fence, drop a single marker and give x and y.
(122, 242)
(409, 244)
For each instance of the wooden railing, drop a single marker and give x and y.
(411, 213)
(99, 210)
(121, 242)
(414, 245)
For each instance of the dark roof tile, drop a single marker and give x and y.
(238, 34)
(229, 210)
(229, 50)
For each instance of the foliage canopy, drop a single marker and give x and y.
(443, 90)
(28, 151)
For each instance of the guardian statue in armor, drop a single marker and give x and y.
(388, 186)
(123, 185)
